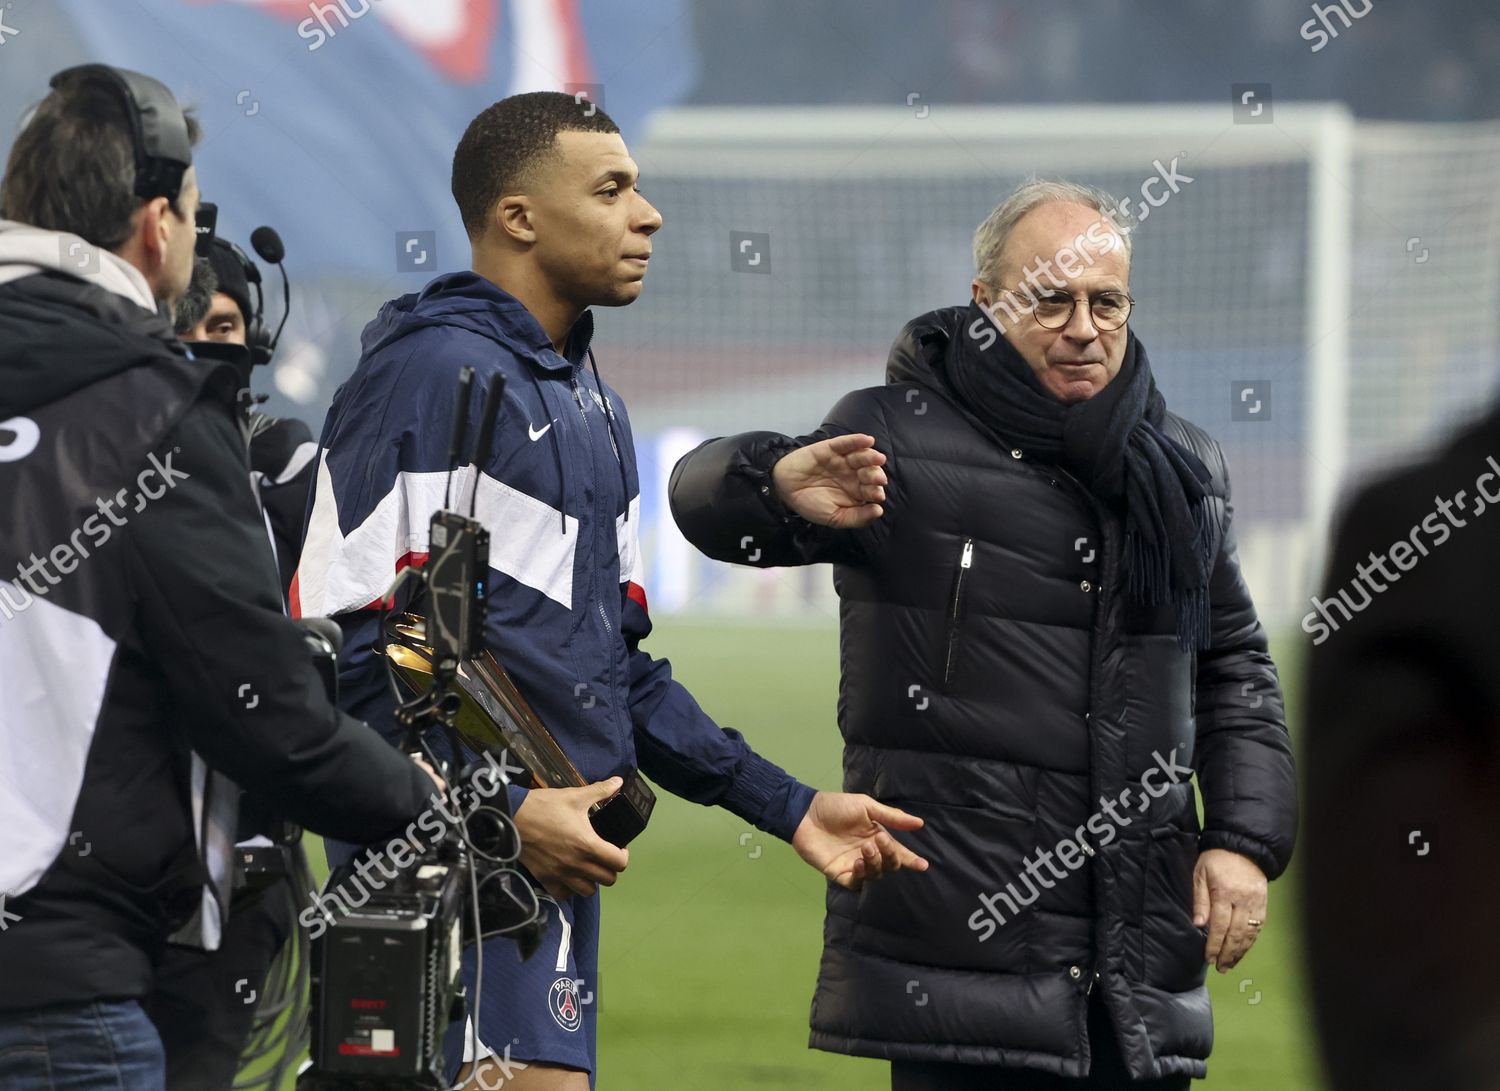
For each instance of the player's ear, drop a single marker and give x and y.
(514, 216)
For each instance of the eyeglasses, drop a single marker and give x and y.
(1054, 310)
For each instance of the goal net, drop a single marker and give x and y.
(1319, 294)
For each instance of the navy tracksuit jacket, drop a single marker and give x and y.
(560, 497)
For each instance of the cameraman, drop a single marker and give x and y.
(142, 630)
(203, 1003)
(283, 452)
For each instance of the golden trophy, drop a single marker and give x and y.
(493, 716)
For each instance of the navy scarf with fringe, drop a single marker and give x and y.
(1114, 445)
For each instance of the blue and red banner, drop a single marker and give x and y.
(335, 120)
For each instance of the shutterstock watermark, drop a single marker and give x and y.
(1405, 553)
(1319, 30)
(98, 528)
(1073, 852)
(317, 29)
(403, 851)
(1041, 276)
(502, 1066)
(1171, 181)
(1071, 260)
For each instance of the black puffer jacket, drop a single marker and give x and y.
(997, 682)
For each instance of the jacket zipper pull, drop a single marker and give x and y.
(965, 562)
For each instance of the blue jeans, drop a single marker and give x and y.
(103, 1045)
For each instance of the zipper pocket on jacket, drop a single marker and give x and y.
(609, 634)
(955, 608)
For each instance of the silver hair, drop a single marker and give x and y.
(991, 236)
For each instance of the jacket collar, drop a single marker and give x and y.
(530, 331)
(918, 350)
(469, 301)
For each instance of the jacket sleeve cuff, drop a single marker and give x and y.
(721, 492)
(768, 797)
(1257, 851)
(754, 463)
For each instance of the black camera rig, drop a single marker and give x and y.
(386, 970)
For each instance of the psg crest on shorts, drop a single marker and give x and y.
(564, 1003)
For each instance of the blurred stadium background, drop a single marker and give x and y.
(1322, 296)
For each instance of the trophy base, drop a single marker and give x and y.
(624, 815)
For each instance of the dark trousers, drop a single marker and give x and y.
(1106, 1073)
(203, 1002)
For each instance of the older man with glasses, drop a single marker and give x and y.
(1045, 637)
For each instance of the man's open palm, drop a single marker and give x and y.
(846, 836)
(836, 483)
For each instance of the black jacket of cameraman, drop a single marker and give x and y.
(997, 682)
(140, 622)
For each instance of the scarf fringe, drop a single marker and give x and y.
(1151, 580)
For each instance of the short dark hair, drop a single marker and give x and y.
(507, 140)
(72, 167)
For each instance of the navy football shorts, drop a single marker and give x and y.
(543, 1010)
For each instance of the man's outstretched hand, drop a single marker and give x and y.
(836, 483)
(845, 836)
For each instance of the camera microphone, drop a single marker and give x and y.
(268, 246)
